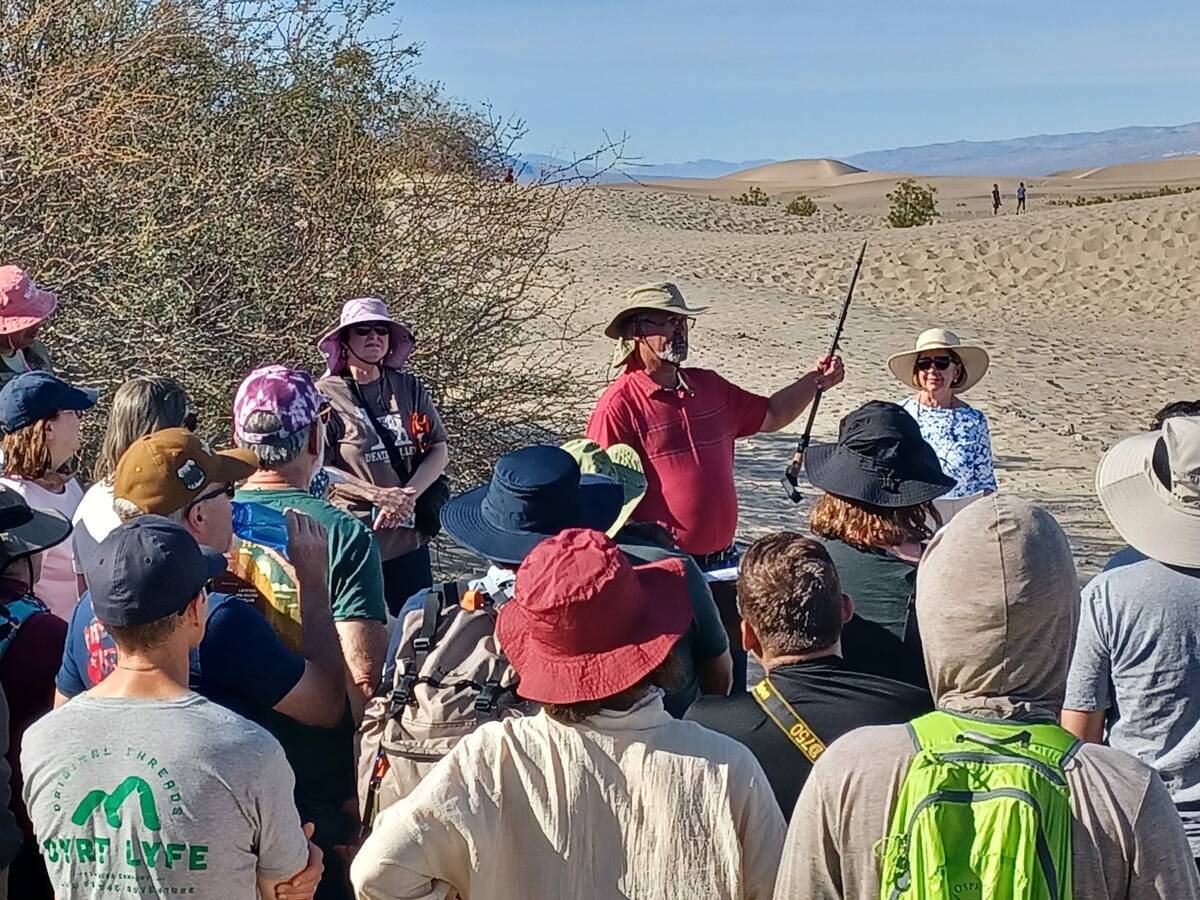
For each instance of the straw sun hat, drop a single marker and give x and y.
(974, 358)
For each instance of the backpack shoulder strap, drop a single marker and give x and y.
(790, 722)
(13, 615)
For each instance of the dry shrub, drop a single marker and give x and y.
(204, 182)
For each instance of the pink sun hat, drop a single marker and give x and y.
(22, 303)
(360, 311)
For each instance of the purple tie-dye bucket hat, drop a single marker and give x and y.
(360, 311)
(288, 394)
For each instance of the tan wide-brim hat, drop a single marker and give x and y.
(1159, 521)
(661, 295)
(974, 358)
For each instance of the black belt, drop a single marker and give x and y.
(718, 559)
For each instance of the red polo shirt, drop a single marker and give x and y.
(686, 444)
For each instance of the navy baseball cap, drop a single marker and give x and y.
(33, 396)
(148, 569)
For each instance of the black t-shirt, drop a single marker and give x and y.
(829, 696)
(882, 638)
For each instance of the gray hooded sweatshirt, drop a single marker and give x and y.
(997, 601)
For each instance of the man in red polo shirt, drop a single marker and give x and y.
(683, 423)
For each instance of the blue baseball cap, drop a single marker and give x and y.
(33, 396)
(148, 569)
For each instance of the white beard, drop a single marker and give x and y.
(675, 353)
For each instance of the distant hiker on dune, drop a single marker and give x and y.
(995, 199)
(1020, 198)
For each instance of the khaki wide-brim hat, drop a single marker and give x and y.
(621, 463)
(660, 295)
(1159, 521)
(974, 358)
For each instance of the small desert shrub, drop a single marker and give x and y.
(756, 196)
(1098, 199)
(912, 204)
(801, 206)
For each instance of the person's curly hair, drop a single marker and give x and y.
(868, 527)
(27, 452)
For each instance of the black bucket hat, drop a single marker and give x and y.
(880, 458)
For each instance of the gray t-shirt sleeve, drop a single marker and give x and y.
(282, 846)
(1089, 683)
(1162, 864)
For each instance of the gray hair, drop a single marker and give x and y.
(127, 511)
(280, 451)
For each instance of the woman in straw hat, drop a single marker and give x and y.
(387, 442)
(942, 368)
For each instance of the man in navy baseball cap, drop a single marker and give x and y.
(146, 570)
(214, 789)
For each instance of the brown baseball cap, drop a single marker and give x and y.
(165, 471)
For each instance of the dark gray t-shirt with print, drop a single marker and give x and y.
(159, 798)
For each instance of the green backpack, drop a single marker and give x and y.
(984, 812)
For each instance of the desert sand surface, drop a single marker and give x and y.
(1089, 313)
(836, 186)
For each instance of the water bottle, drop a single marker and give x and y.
(258, 524)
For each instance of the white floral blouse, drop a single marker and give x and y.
(960, 438)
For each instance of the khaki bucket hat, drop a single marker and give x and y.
(1149, 486)
(661, 295)
(975, 359)
(619, 462)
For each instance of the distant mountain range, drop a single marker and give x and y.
(533, 164)
(1041, 154)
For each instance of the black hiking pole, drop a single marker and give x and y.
(791, 478)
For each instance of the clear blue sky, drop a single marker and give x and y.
(748, 79)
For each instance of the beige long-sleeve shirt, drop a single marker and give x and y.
(627, 804)
(1127, 842)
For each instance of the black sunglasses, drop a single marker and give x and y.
(942, 363)
(377, 330)
(229, 490)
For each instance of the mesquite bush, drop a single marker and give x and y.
(204, 182)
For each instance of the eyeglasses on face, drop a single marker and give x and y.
(673, 321)
(367, 330)
(942, 363)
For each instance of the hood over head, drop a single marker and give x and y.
(997, 601)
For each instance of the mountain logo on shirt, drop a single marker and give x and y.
(113, 802)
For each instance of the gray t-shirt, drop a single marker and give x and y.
(152, 798)
(1137, 656)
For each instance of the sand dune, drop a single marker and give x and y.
(1089, 313)
(1159, 172)
(795, 171)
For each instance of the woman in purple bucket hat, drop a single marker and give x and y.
(387, 447)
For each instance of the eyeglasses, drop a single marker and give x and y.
(377, 330)
(228, 490)
(942, 363)
(672, 322)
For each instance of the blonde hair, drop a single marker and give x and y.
(27, 451)
(141, 406)
(870, 527)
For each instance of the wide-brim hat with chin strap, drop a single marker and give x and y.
(1149, 486)
(974, 358)
(361, 311)
(659, 295)
(25, 531)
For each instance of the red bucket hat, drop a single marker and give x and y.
(585, 624)
(22, 303)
